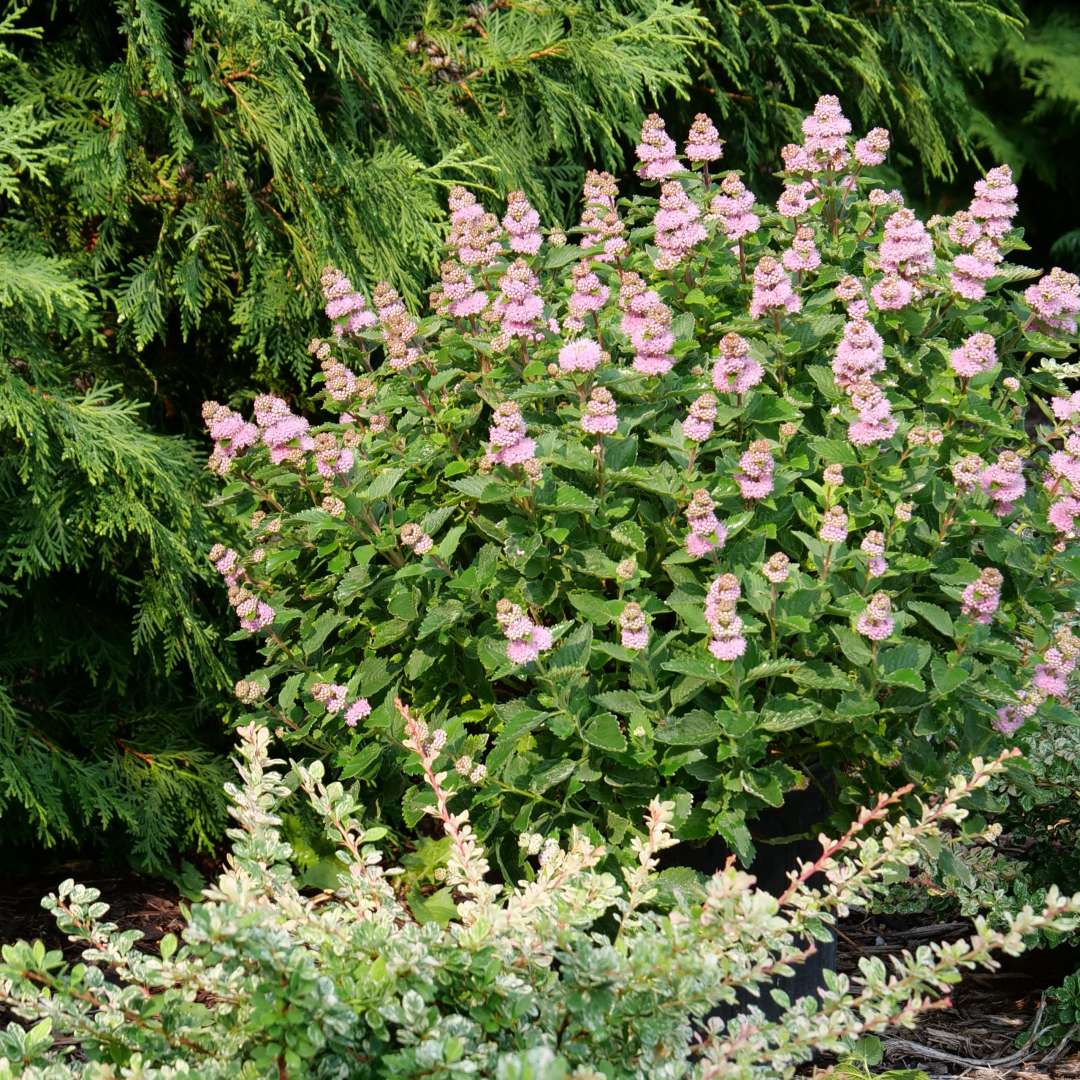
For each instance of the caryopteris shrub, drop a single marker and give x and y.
(571, 972)
(719, 498)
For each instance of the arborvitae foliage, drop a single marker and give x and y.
(102, 631)
(911, 65)
(215, 154)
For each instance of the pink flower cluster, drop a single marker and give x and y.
(474, 234)
(508, 437)
(283, 432)
(1055, 300)
(875, 421)
(872, 148)
(707, 533)
(825, 133)
(1058, 663)
(600, 416)
(701, 418)
(331, 459)
(600, 222)
(982, 596)
(977, 354)
(973, 269)
(859, 356)
(646, 322)
(415, 539)
(656, 152)
(525, 639)
(1004, 482)
(254, 614)
(677, 226)
(876, 621)
(584, 354)
(522, 224)
(633, 628)
(834, 526)
(803, 254)
(334, 696)
(776, 568)
(734, 370)
(1065, 408)
(704, 142)
(733, 209)
(772, 290)
(726, 640)
(345, 306)
(589, 295)
(755, 474)
(873, 545)
(519, 305)
(458, 295)
(232, 434)
(994, 205)
(796, 199)
(907, 249)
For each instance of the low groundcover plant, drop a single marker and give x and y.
(722, 499)
(571, 973)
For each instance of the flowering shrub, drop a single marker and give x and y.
(519, 983)
(719, 495)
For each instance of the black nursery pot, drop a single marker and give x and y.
(770, 867)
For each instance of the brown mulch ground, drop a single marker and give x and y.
(975, 1039)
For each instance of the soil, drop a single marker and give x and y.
(976, 1039)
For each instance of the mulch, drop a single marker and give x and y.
(975, 1039)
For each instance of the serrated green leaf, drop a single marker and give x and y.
(629, 535)
(936, 616)
(603, 731)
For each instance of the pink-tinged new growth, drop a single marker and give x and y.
(982, 596)
(589, 295)
(873, 544)
(707, 533)
(876, 622)
(871, 149)
(1004, 482)
(633, 628)
(967, 471)
(519, 305)
(776, 568)
(796, 199)
(345, 306)
(509, 444)
(413, 537)
(994, 205)
(825, 133)
(600, 416)
(834, 525)
(803, 254)
(859, 355)
(735, 371)
(972, 270)
(522, 224)
(755, 474)
(875, 422)
(772, 290)
(677, 226)
(726, 641)
(332, 695)
(581, 355)
(698, 425)
(356, 712)
(525, 639)
(892, 293)
(733, 209)
(704, 142)
(656, 152)
(458, 296)
(977, 354)
(906, 247)
(1055, 300)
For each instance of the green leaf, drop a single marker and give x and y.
(694, 729)
(852, 645)
(603, 731)
(382, 485)
(595, 608)
(731, 825)
(568, 497)
(439, 617)
(629, 535)
(363, 762)
(167, 946)
(624, 702)
(910, 654)
(947, 677)
(936, 616)
(904, 677)
(321, 629)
